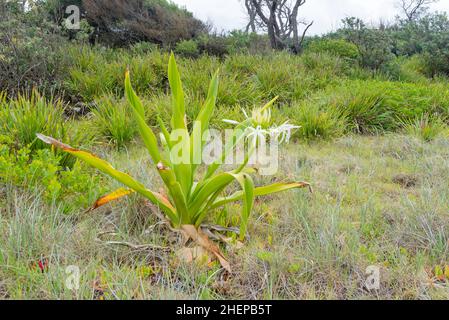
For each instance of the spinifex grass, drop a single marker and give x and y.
(23, 117)
(189, 200)
(114, 120)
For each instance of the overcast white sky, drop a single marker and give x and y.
(327, 14)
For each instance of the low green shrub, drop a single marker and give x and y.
(187, 48)
(42, 172)
(427, 36)
(375, 45)
(405, 69)
(412, 69)
(239, 42)
(242, 65)
(23, 117)
(426, 127)
(276, 76)
(236, 89)
(316, 123)
(98, 71)
(32, 51)
(213, 45)
(143, 47)
(336, 47)
(378, 106)
(113, 120)
(293, 77)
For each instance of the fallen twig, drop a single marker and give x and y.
(141, 247)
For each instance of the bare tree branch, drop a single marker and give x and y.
(279, 18)
(413, 8)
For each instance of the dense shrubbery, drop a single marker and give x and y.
(341, 82)
(436, 44)
(427, 127)
(23, 117)
(30, 52)
(374, 44)
(376, 106)
(36, 59)
(97, 71)
(329, 94)
(427, 36)
(250, 79)
(42, 171)
(336, 47)
(113, 120)
(324, 93)
(121, 23)
(187, 48)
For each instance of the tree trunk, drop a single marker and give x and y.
(272, 26)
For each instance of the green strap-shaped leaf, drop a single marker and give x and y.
(199, 206)
(176, 193)
(148, 136)
(178, 120)
(209, 187)
(183, 171)
(209, 106)
(261, 191)
(132, 96)
(203, 119)
(165, 132)
(124, 178)
(247, 185)
(239, 135)
(270, 103)
(199, 217)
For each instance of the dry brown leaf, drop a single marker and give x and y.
(197, 254)
(199, 237)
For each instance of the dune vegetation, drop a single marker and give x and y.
(364, 178)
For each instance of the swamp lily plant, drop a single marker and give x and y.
(189, 200)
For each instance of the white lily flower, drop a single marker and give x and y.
(260, 127)
(261, 117)
(231, 121)
(256, 134)
(283, 133)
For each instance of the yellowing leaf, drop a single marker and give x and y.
(117, 194)
(124, 178)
